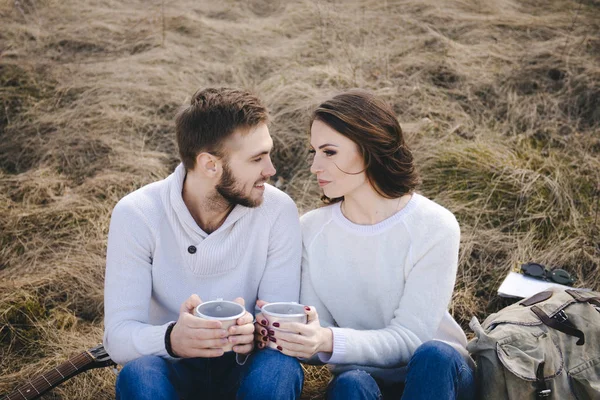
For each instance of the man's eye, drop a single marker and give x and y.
(257, 159)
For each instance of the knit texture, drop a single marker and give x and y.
(384, 289)
(256, 253)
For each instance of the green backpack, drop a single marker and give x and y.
(543, 347)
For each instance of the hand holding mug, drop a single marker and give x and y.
(296, 339)
(303, 340)
(241, 335)
(195, 337)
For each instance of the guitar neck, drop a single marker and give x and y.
(43, 383)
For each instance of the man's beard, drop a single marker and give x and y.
(228, 189)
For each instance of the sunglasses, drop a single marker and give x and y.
(539, 271)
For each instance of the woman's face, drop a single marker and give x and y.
(336, 161)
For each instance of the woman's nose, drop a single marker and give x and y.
(315, 167)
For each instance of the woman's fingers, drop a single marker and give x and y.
(291, 337)
(292, 349)
(296, 327)
(260, 303)
(311, 313)
(260, 338)
(258, 328)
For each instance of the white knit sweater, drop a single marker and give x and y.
(384, 288)
(256, 253)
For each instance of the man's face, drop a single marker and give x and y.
(246, 167)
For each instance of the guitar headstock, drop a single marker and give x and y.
(101, 357)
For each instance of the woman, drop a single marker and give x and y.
(379, 265)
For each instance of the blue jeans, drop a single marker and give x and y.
(267, 374)
(435, 371)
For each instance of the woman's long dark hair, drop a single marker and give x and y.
(371, 124)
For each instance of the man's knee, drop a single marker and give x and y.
(355, 380)
(145, 377)
(271, 375)
(354, 384)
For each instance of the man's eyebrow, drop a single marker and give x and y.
(327, 144)
(262, 153)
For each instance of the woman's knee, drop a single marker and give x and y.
(436, 354)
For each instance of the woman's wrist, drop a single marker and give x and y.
(326, 342)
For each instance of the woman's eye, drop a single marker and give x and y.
(329, 153)
(311, 151)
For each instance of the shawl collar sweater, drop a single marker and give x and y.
(151, 268)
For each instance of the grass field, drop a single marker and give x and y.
(500, 101)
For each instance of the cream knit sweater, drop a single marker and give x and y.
(151, 269)
(384, 289)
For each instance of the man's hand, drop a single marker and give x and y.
(242, 334)
(196, 337)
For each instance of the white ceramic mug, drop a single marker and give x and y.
(221, 310)
(283, 312)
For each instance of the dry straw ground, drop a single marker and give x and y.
(500, 101)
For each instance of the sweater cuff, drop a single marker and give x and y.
(338, 354)
(150, 340)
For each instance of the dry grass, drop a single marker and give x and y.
(500, 101)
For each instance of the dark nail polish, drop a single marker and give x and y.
(272, 339)
(276, 324)
(265, 338)
(263, 322)
(279, 348)
(271, 333)
(263, 332)
(307, 308)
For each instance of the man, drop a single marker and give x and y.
(212, 229)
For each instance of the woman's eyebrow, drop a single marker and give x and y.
(326, 144)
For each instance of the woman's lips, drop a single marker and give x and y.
(323, 183)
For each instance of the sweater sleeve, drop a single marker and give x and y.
(281, 279)
(128, 288)
(309, 297)
(427, 294)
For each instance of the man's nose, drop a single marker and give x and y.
(269, 170)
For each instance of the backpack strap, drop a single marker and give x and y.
(576, 294)
(560, 325)
(542, 391)
(537, 298)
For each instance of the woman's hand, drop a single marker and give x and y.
(261, 327)
(297, 339)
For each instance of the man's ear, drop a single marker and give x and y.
(207, 164)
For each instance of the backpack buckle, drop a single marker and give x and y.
(561, 316)
(544, 393)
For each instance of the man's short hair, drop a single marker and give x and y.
(211, 117)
